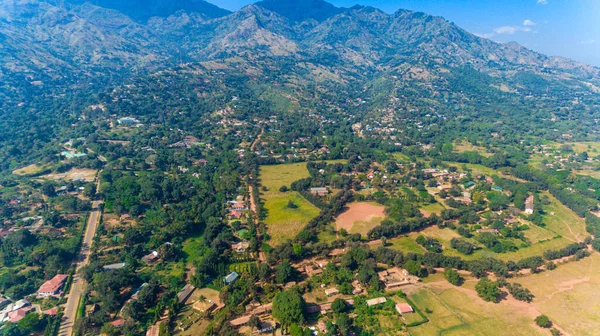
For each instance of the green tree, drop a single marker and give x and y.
(284, 272)
(288, 308)
(543, 321)
(453, 277)
(487, 289)
(338, 305)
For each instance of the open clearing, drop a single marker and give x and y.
(82, 174)
(569, 295)
(360, 217)
(459, 311)
(563, 221)
(579, 147)
(465, 146)
(31, 169)
(435, 208)
(445, 235)
(283, 222)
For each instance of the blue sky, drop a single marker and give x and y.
(569, 28)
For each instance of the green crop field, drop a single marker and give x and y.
(283, 222)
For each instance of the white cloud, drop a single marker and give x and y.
(511, 30)
(542, 2)
(588, 42)
(528, 23)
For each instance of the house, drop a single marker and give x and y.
(17, 315)
(468, 184)
(529, 205)
(241, 246)
(235, 214)
(404, 308)
(150, 258)
(266, 327)
(240, 321)
(127, 121)
(53, 286)
(496, 188)
(319, 191)
(51, 311)
(204, 306)
(136, 292)
(239, 206)
(154, 330)
(493, 231)
(376, 301)
(331, 291)
(231, 277)
(118, 323)
(185, 293)
(113, 267)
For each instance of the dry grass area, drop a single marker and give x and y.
(360, 217)
(569, 295)
(465, 146)
(83, 174)
(31, 169)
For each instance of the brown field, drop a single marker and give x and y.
(360, 217)
(31, 169)
(83, 174)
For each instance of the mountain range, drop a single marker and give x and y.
(51, 40)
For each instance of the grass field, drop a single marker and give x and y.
(444, 236)
(283, 222)
(435, 208)
(591, 173)
(569, 295)
(31, 169)
(579, 147)
(455, 312)
(536, 233)
(83, 174)
(405, 244)
(563, 221)
(191, 249)
(465, 146)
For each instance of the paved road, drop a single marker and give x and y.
(78, 285)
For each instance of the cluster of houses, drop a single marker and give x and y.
(15, 312)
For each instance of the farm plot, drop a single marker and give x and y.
(360, 217)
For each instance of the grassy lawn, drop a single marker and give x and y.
(191, 249)
(563, 221)
(435, 208)
(580, 147)
(31, 169)
(282, 222)
(465, 146)
(405, 245)
(276, 176)
(536, 233)
(455, 313)
(569, 295)
(591, 173)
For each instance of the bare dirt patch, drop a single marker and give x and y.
(82, 174)
(360, 217)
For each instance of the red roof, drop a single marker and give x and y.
(51, 311)
(404, 308)
(18, 315)
(54, 285)
(118, 323)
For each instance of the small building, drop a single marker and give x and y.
(493, 231)
(113, 267)
(118, 323)
(150, 258)
(240, 321)
(204, 306)
(53, 286)
(231, 277)
(17, 315)
(468, 184)
(127, 121)
(185, 293)
(404, 308)
(496, 188)
(241, 246)
(266, 327)
(529, 205)
(376, 301)
(319, 191)
(332, 291)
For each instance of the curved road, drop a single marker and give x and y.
(78, 284)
